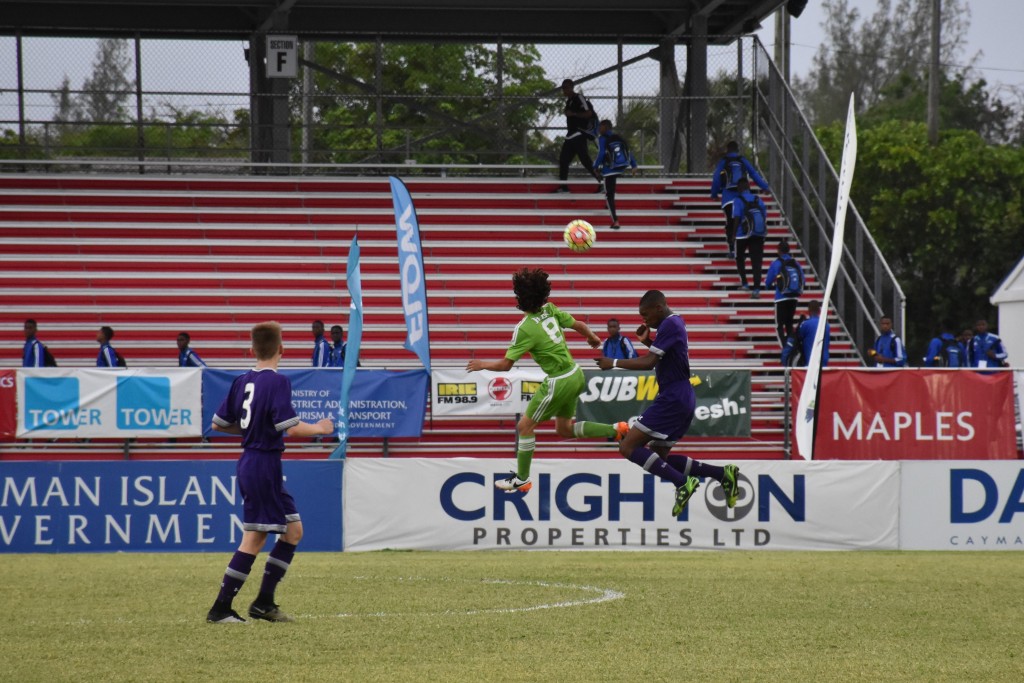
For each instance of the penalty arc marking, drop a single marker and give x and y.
(597, 596)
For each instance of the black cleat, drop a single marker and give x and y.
(228, 617)
(268, 613)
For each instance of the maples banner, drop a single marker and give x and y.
(913, 415)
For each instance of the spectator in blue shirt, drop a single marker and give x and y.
(750, 234)
(321, 347)
(944, 352)
(613, 159)
(964, 342)
(338, 349)
(108, 356)
(803, 339)
(728, 172)
(34, 354)
(987, 349)
(888, 351)
(787, 277)
(617, 346)
(187, 358)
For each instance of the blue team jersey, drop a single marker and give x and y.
(32, 355)
(260, 402)
(190, 359)
(673, 368)
(321, 353)
(107, 357)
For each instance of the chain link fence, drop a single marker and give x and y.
(154, 100)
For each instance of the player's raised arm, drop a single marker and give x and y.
(503, 365)
(584, 329)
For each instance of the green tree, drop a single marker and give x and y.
(866, 57)
(106, 92)
(442, 100)
(949, 218)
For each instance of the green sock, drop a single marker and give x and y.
(592, 430)
(524, 456)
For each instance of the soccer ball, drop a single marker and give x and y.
(579, 235)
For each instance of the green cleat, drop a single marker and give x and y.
(731, 485)
(683, 494)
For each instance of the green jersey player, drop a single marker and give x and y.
(541, 334)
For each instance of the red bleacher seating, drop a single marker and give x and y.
(153, 256)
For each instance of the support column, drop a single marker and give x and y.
(668, 107)
(697, 77)
(268, 107)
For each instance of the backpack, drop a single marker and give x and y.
(791, 280)
(120, 359)
(732, 171)
(616, 152)
(949, 354)
(753, 218)
(593, 123)
(48, 360)
(792, 349)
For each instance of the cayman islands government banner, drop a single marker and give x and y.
(410, 272)
(93, 402)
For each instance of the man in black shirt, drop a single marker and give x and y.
(581, 126)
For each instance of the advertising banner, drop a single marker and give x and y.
(914, 415)
(962, 505)
(8, 404)
(411, 273)
(425, 503)
(458, 392)
(354, 280)
(75, 507)
(131, 403)
(382, 403)
(723, 399)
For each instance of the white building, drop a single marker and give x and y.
(1009, 297)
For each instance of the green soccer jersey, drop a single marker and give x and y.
(541, 335)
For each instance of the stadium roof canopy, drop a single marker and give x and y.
(533, 21)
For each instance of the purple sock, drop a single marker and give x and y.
(277, 564)
(696, 468)
(653, 463)
(235, 575)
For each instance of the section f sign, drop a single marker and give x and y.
(77, 403)
(282, 56)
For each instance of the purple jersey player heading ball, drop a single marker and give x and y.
(259, 408)
(666, 420)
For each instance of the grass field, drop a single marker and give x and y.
(524, 616)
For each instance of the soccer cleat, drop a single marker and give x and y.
(683, 494)
(620, 431)
(514, 483)
(228, 617)
(268, 613)
(615, 225)
(731, 485)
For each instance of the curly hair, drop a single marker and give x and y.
(531, 288)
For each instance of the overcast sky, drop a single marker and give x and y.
(993, 36)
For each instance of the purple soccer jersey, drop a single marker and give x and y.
(260, 402)
(668, 418)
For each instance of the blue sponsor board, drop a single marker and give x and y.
(382, 403)
(70, 507)
(53, 403)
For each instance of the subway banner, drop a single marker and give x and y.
(962, 505)
(458, 392)
(8, 404)
(914, 415)
(149, 506)
(130, 403)
(381, 403)
(723, 399)
(435, 504)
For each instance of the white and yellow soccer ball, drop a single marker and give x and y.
(580, 235)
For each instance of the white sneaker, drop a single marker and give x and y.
(514, 483)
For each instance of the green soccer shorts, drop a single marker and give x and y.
(556, 396)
